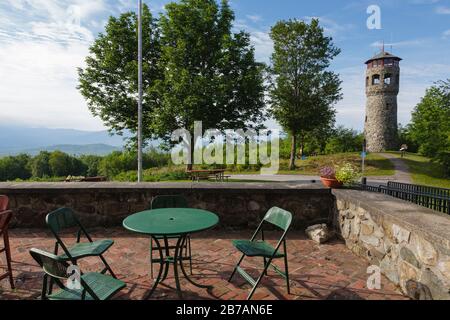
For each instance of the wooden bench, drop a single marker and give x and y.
(217, 175)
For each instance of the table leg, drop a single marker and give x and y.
(185, 273)
(178, 257)
(163, 264)
(166, 271)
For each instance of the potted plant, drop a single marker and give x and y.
(347, 174)
(328, 177)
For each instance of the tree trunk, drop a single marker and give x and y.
(293, 152)
(302, 147)
(190, 166)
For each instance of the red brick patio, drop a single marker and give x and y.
(328, 271)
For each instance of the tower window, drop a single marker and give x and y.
(388, 106)
(367, 81)
(375, 79)
(387, 78)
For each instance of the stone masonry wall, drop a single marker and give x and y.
(410, 244)
(239, 206)
(381, 109)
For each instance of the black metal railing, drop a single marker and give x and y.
(430, 197)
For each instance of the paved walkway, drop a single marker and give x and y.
(276, 178)
(330, 271)
(402, 173)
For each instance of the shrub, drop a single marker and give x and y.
(444, 159)
(344, 140)
(15, 167)
(347, 173)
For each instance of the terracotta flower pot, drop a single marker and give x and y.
(331, 183)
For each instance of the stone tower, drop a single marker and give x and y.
(382, 87)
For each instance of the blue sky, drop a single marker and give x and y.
(42, 42)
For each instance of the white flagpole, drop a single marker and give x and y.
(140, 144)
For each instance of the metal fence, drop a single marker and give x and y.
(430, 197)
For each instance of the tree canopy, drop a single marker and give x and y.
(109, 82)
(430, 124)
(210, 73)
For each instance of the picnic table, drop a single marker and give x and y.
(171, 223)
(215, 174)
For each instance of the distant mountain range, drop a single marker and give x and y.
(20, 139)
(72, 149)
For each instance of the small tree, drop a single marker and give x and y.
(40, 165)
(109, 82)
(344, 140)
(304, 92)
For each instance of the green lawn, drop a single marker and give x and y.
(375, 165)
(424, 171)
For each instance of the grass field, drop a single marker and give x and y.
(424, 171)
(375, 165)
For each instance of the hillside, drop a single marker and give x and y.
(72, 149)
(17, 139)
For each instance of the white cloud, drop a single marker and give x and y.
(446, 34)
(38, 85)
(42, 44)
(263, 45)
(254, 18)
(425, 1)
(443, 10)
(406, 43)
(330, 26)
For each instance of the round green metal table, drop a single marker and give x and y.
(175, 223)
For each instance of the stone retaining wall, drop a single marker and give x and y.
(410, 244)
(239, 206)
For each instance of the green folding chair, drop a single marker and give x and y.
(260, 248)
(163, 202)
(65, 218)
(92, 286)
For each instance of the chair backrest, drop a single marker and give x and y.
(50, 264)
(279, 217)
(4, 201)
(162, 202)
(61, 219)
(5, 218)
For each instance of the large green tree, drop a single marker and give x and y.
(304, 90)
(109, 82)
(430, 124)
(210, 73)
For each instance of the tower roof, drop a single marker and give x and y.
(383, 55)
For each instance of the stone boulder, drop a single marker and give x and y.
(319, 233)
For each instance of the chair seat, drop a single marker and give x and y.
(102, 285)
(256, 248)
(88, 249)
